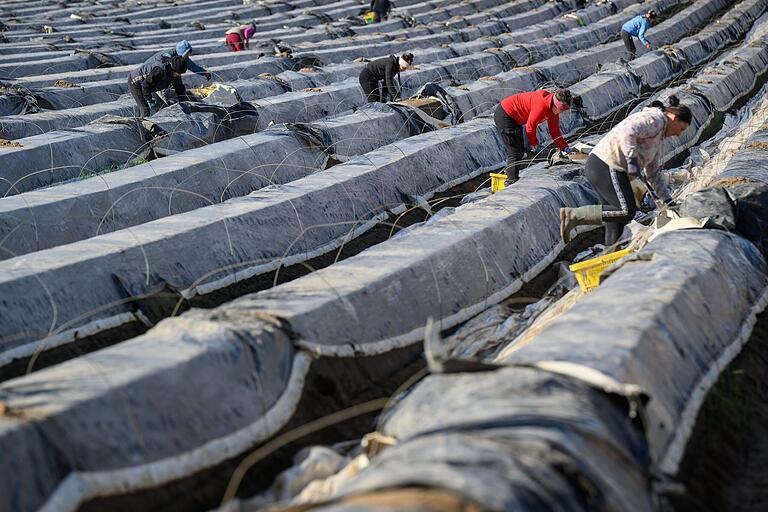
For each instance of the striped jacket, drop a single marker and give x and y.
(638, 136)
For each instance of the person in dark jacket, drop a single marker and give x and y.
(637, 27)
(525, 111)
(381, 9)
(182, 49)
(145, 81)
(384, 69)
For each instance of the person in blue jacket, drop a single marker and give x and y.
(182, 49)
(637, 27)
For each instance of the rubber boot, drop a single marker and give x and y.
(571, 218)
(513, 173)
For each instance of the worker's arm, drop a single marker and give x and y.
(656, 179)
(389, 78)
(554, 131)
(641, 33)
(178, 86)
(151, 78)
(195, 68)
(247, 33)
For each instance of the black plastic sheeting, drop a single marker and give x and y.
(317, 213)
(524, 438)
(512, 439)
(628, 80)
(197, 178)
(733, 76)
(284, 333)
(17, 100)
(748, 162)
(738, 199)
(189, 125)
(181, 286)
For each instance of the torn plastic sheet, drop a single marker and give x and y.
(511, 439)
(304, 305)
(17, 101)
(485, 334)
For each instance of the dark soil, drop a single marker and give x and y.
(725, 467)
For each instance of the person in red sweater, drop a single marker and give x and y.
(529, 109)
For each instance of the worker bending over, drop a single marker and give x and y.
(240, 36)
(381, 9)
(147, 80)
(184, 50)
(632, 149)
(637, 27)
(384, 69)
(529, 109)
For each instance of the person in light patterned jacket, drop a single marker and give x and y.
(632, 149)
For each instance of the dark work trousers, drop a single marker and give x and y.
(380, 16)
(512, 137)
(139, 99)
(629, 44)
(371, 90)
(615, 193)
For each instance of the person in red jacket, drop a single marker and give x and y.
(529, 109)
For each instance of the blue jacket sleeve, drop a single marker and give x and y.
(641, 33)
(194, 67)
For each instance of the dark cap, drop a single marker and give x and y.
(179, 65)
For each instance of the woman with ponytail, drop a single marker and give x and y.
(632, 149)
(525, 111)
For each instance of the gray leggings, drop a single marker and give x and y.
(615, 193)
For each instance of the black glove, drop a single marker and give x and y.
(633, 168)
(207, 76)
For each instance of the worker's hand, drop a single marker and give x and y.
(633, 168)
(569, 150)
(648, 45)
(670, 203)
(533, 150)
(208, 76)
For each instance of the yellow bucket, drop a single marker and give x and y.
(369, 17)
(588, 272)
(497, 182)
